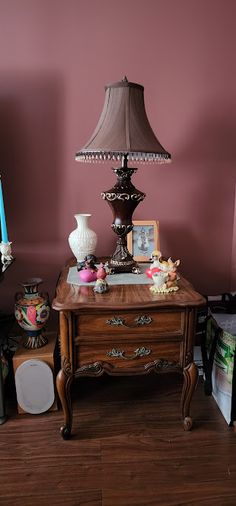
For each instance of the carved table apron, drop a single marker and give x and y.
(126, 331)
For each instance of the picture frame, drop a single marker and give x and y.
(143, 240)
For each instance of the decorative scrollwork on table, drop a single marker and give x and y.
(66, 366)
(90, 369)
(115, 321)
(163, 363)
(188, 357)
(139, 321)
(139, 352)
(143, 320)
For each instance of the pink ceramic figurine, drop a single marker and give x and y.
(101, 285)
(164, 274)
(87, 269)
(101, 272)
(87, 275)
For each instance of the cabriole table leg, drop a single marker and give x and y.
(64, 381)
(190, 373)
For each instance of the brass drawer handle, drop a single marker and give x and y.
(139, 321)
(140, 352)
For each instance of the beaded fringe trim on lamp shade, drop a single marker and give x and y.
(90, 156)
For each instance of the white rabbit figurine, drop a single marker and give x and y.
(6, 256)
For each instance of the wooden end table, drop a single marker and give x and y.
(126, 331)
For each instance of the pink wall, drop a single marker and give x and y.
(233, 256)
(55, 58)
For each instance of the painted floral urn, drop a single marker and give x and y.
(32, 310)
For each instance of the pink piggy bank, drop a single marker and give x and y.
(87, 275)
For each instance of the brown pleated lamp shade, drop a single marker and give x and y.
(123, 128)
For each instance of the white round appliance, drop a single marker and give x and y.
(34, 386)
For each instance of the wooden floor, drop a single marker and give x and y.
(128, 449)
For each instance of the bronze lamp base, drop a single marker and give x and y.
(123, 198)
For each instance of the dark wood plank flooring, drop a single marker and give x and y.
(128, 449)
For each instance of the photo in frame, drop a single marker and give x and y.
(143, 240)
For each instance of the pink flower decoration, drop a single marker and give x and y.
(31, 314)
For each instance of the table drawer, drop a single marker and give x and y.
(130, 323)
(126, 356)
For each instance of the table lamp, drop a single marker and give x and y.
(123, 133)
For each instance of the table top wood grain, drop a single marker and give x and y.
(72, 297)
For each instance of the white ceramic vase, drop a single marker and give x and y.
(82, 240)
